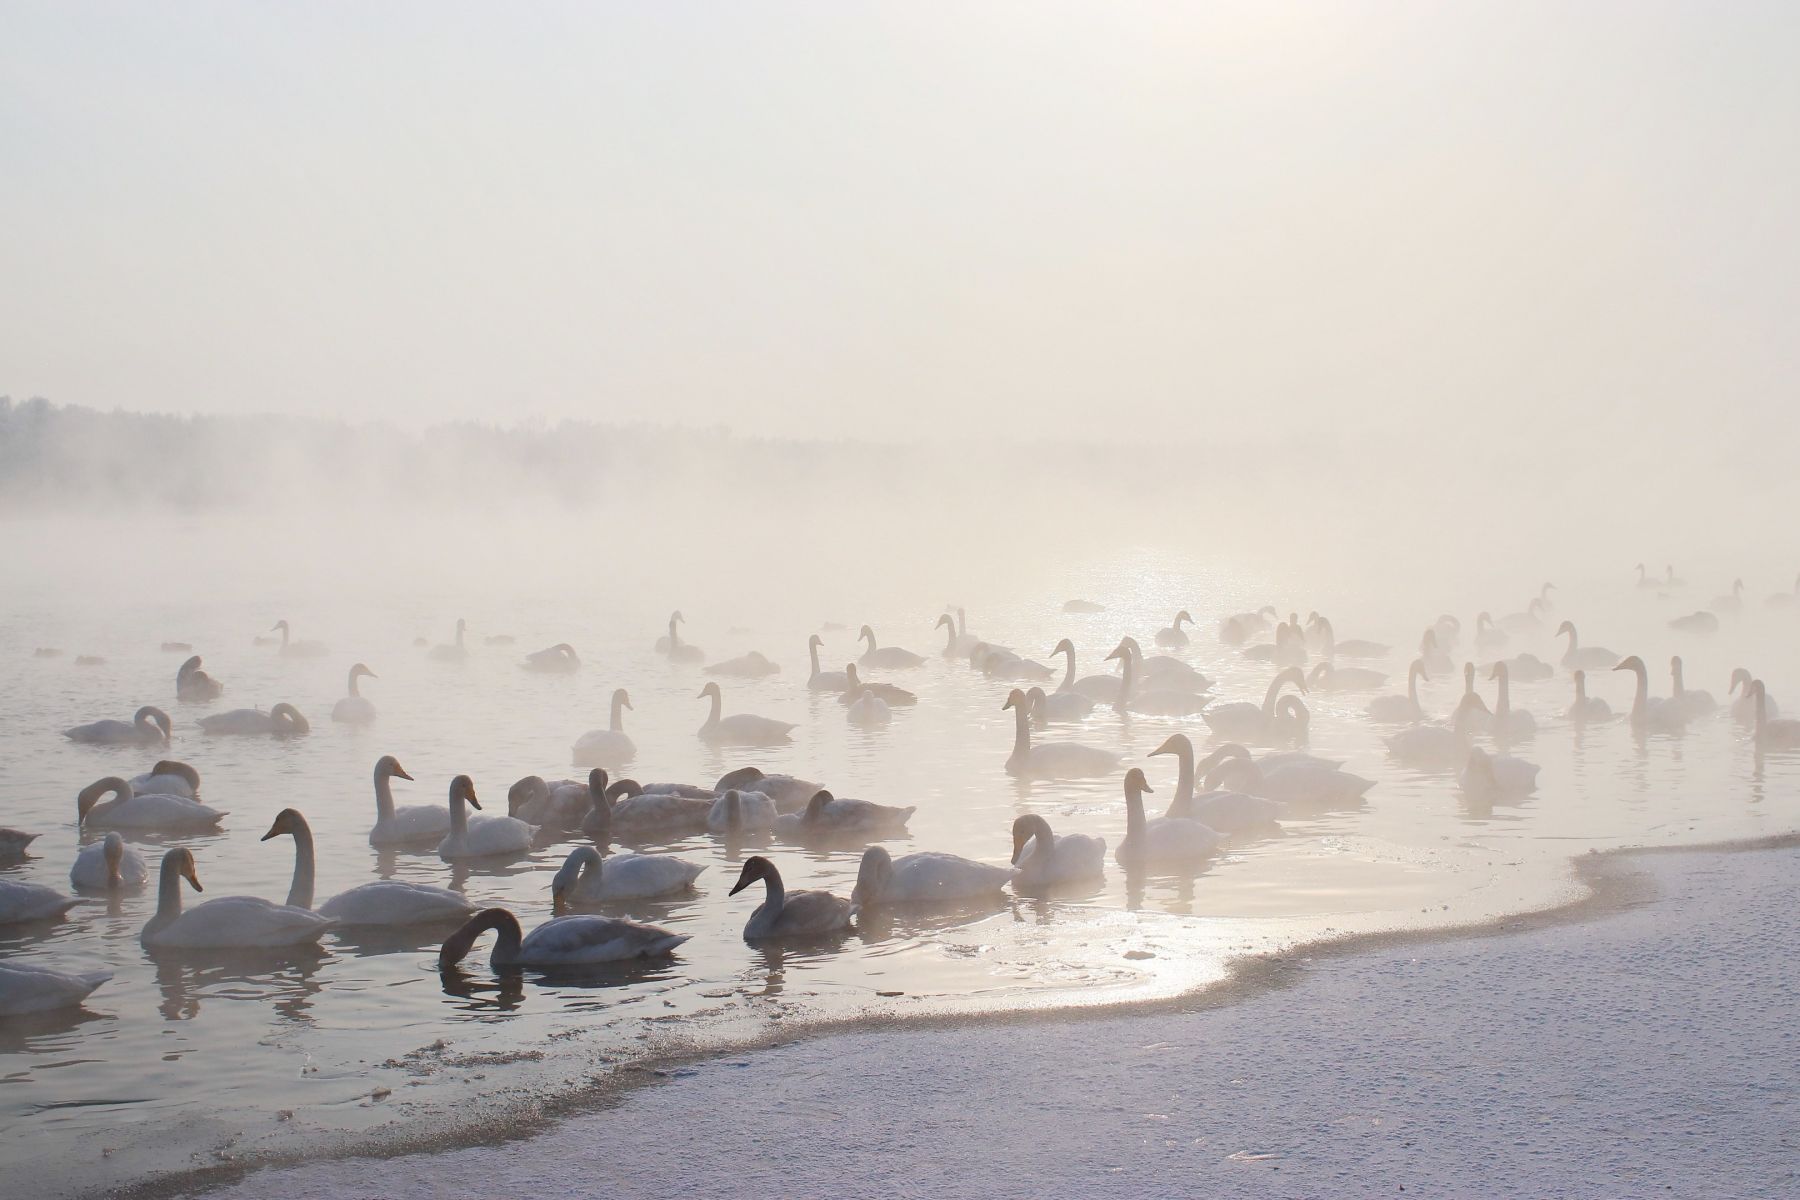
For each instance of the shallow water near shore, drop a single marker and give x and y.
(184, 1064)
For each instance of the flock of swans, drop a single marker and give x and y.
(1255, 773)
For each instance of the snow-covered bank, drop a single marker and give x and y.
(1650, 1050)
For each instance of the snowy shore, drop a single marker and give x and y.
(1642, 1042)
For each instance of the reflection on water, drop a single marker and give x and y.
(181, 1060)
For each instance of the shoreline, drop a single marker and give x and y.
(1607, 881)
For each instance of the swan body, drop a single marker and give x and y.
(887, 693)
(1082, 606)
(228, 923)
(891, 658)
(740, 729)
(1529, 621)
(1588, 658)
(868, 710)
(1295, 784)
(193, 685)
(957, 644)
(741, 812)
(1331, 647)
(826, 816)
(1174, 635)
(790, 794)
(1651, 714)
(167, 778)
(1785, 599)
(456, 651)
(574, 941)
(1489, 776)
(633, 812)
(1092, 688)
(1696, 703)
(13, 843)
(587, 878)
(753, 665)
(31, 989)
(484, 837)
(412, 823)
(559, 659)
(1696, 622)
(283, 720)
(384, 902)
(1429, 746)
(1326, 677)
(823, 681)
(1587, 710)
(1472, 713)
(611, 747)
(1509, 723)
(557, 805)
(1242, 721)
(147, 726)
(924, 878)
(1223, 811)
(108, 866)
(1045, 860)
(149, 813)
(1743, 709)
(673, 648)
(1773, 733)
(22, 902)
(785, 914)
(1160, 841)
(1401, 710)
(1433, 655)
(293, 648)
(1050, 760)
(1057, 706)
(1149, 699)
(354, 708)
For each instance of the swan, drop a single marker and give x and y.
(169, 778)
(740, 729)
(30, 989)
(1646, 583)
(227, 923)
(1296, 784)
(927, 877)
(485, 836)
(824, 681)
(1587, 709)
(151, 812)
(886, 692)
(1293, 723)
(1785, 599)
(1326, 677)
(1330, 647)
(1743, 709)
(1695, 703)
(1651, 715)
(1082, 606)
(13, 843)
(1731, 602)
(1588, 658)
(283, 720)
(354, 708)
(1433, 655)
(788, 793)
(1447, 630)
(147, 726)
(297, 649)
(1051, 760)
(1695, 622)
(784, 914)
(1224, 812)
(1529, 621)
(109, 866)
(1472, 711)
(1509, 723)
(557, 805)
(1490, 776)
(22, 902)
(1059, 707)
(1245, 722)
(575, 941)
(1173, 635)
(868, 710)
(956, 643)
(1102, 688)
(452, 651)
(890, 658)
(193, 684)
(1008, 667)
(1527, 668)
(559, 659)
(671, 647)
(610, 747)
(827, 816)
(1400, 710)
(1159, 841)
(633, 812)
(89, 660)
(381, 902)
(1239, 628)
(1053, 860)
(587, 878)
(413, 823)
(753, 665)
(1430, 746)
(741, 812)
(1152, 699)
(1488, 636)
(1773, 733)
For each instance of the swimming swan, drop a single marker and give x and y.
(147, 726)
(587, 878)
(868, 710)
(193, 684)
(1648, 714)
(826, 816)
(671, 647)
(169, 778)
(559, 659)
(610, 747)
(1328, 677)
(1509, 723)
(1773, 733)
(631, 812)
(1160, 841)
(227, 923)
(381, 902)
(1242, 721)
(1587, 710)
(890, 658)
(1223, 811)
(887, 693)
(1588, 658)
(927, 877)
(151, 812)
(1053, 860)
(297, 649)
(1400, 710)
(109, 866)
(1060, 706)
(956, 643)
(741, 812)
(484, 836)
(574, 941)
(399, 826)
(455, 651)
(784, 914)
(1491, 776)
(23, 902)
(740, 729)
(354, 708)
(1743, 709)
(283, 720)
(823, 681)
(1694, 703)
(1173, 635)
(1051, 760)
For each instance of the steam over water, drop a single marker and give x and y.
(183, 1063)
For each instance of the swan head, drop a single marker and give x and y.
(90, 795)
(1631, 663)
(741, 779)
(873, 873)
(1498, 672)
(1183, 615)
(1740, 678)
(180, 862)
(1026, 828)
(463, 788)
(113, 850)
(280, 626)
(288, 821)
(815, 641)
(1063, 647)
(580, 859)
(675, 618)
(1175, 743)
(1567, 627)
(388, 767)
(155, 715)
(944, 620)
(456, 947)
(710, 692)
(528, 789)
(360, 671)
(1293, 675)
(1034, 698)
(188, 668)
(169, 766)
(1418, 668)
(755, 867)
(1124, 650)
(850, 673)
(622, 698)
(1015, 699)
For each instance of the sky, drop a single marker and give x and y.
(1475, 223)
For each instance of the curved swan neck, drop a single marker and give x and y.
(949, 635)
(1134, 812)
(1273, 691)
(1068, 683)
(1021, 729)
(1503, 703)
(384, 795)
(1675, 677)
(300, 891)
(507, 937)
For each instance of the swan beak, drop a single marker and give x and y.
(193, 877)
(743, 882)
(273, 833)
(472, 800)
(400, 772)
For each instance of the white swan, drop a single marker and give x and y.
(1695, 703)
(227, 923)
(740, 729)
(632, 812)
(1491, 776)
(1242, 721)
(587, 878)
(25, 988)
(1401, 710)
(559, 659)
(558, 805)
(283, 720)
(1152, 698)
(1160, 841)
(1226, 812)
(576, 941)
(1173, 635)
(109, 866)
(382, 902)
(1062, 707)
(1695, 622)
(1587, 710)
(1472, 712)
(1053, 860)
(1239, 628)
(169, 778)
(1297, 783)
(1433, 655)
(193, 684)
(927, 877)
(148, 813)
(890, 658)
(1731, 602)
(1588, 658)
(1050, 760)
(957, 644)
(399, 826)
(1773, 733)
(611, 747)
(1331, 647)
(354, 708)
(788, 793)
(1082, 606)
(671, 647)
(1327, 677)
(754, 665)
(887, 693)
(1743, 709)
(741, 812)
(1101, 688)
(785, 914)
(485, 836)
(1651, 714)
(23, 902)
(455, 651)
(1428, 746)
(823, 681)
(1529, 621)
(297, 649)
(868, 710)
(826, 816)
(1509, 723)
(147, 726)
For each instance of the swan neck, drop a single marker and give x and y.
(812, 652)
(168, 896)
(1126, 678)
(384, 796)
(1184, 774)
(459, 814)
(508, 937)
(300, 891)
(618, 711)
(1134, 815)
(353, 685)
(712, 717)
(1068, 683)
(1021, 731)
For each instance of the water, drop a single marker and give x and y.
(179, 1064)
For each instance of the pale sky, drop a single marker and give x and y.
(911, 220)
